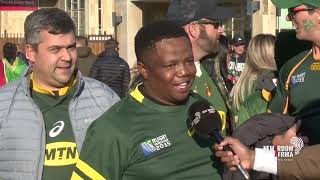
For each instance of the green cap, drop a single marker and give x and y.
(294, 3)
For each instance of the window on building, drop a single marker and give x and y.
(75, 8)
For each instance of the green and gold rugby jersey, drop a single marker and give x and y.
(61, 151)
(205, 87)
(303, 93)
(139, 139)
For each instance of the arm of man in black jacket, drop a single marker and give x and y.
(126, 79)
(94, 70)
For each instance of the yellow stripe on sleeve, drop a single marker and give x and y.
(75, 176)
(89, 171)
(266, 95)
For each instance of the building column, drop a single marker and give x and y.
(127, 29)
(92, 17)
(264, 20)
(106, 19)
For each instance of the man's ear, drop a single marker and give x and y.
(30, 53)
(143, 70)
(193, 30)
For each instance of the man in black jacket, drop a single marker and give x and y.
(85, 56)
(112, 70)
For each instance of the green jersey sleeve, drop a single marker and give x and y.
(103, 155)
(253, 105)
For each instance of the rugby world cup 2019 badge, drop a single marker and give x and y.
(155, 144)
(299, 78)
(286, 153)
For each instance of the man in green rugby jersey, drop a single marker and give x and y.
(145, 136)
(297, 92)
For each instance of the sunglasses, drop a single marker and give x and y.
(215, 24)
(293, 11)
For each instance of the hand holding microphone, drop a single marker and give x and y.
(231, 159)
(206, 122)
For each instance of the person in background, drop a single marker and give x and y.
(11, 65)
(112, 69)
(238, 58)
(252, 92)
(21, 53)
(45, 114)
(85, 56)
(145, 136)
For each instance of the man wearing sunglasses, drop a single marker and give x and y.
(201, 20)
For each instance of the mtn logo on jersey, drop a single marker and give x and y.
(156, 144)
(61, 154)
(58, 127)
(299, 78)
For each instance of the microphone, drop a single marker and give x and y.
(206, 122)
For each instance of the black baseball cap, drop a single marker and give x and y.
(183, 12)
(237, 40)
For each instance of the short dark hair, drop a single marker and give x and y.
(9, 46)
(81, 40)
(54, 20)
(10, 50)
(110, 44)
(148, 35)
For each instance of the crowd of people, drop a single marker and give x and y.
(66, 113)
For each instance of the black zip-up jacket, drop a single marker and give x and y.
(112, 70)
